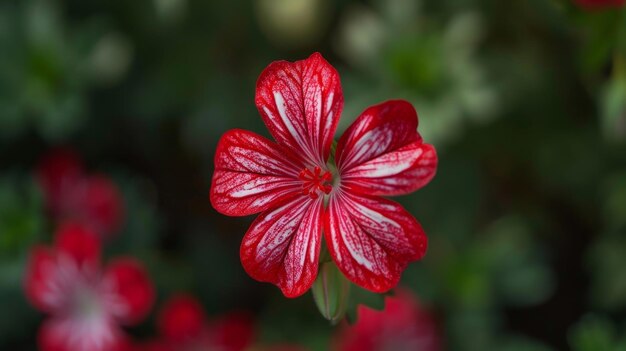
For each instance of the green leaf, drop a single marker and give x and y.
(21, 215)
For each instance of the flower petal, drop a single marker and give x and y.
(381, 153)
(92, 200)
(395, 173)
(300, 103)
(282, 245)
(403, 325)
(79, 243)
(131, 289)
(156, 345)
(232, 332)
(252, 174)
(56, 173)
(96, 202)
(181, 318)
(67, 334)
(36, 281)
(372, 239)
(53, 273)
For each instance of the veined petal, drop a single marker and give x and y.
(282, 245)
(252, 174)
(372, 239)
(300, 103)
(130, 293)
(381, 153)
(395, 173)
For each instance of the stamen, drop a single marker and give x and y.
(315, 181)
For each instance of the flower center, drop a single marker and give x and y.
(314, 181)
(87, 303)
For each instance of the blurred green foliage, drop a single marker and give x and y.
(22, 225)
(524, 100)
(596, 333)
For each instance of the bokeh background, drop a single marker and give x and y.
(525, 101)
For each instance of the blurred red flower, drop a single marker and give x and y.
(600, 4)
(87, 304)
(289, 182)
(93, 200)
(279, 347)
(183, 326)
(403, 325)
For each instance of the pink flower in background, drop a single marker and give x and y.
(183, 326)
(300, 195)
(402, 326)
(87, 304)
(93, 200)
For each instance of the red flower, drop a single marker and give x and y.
(87, 305)
(184, 327)
(300, 195)
(402, 325)
(92, 200)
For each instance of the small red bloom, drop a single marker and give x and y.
(280, 347)
(58, 171)
(184, 327)
(86, 304)
(93, 200)
(402, 326)
(300, 194)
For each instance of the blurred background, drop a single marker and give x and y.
(525, 101)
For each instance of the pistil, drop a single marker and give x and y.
(315, 181)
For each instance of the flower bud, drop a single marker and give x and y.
(330, 292)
